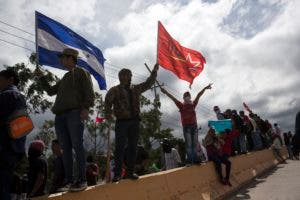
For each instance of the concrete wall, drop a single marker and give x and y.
(187, 183)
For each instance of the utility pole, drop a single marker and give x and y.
(156, 96)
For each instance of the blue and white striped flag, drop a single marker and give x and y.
(53, 37)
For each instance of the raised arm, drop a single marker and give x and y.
(201, 93)
(142, 87)
(163, 90)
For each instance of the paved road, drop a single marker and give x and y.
(281, 183)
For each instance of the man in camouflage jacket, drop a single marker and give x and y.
(124, 101)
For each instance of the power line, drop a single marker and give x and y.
(120, 67)
(17, 28)
(204, 108)
(173, 125)
(139, 77)
(169, 116)
(11, 43)
(16, 36)
(207, 111)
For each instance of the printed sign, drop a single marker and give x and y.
(220, 125)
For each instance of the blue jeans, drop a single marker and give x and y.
(218, 160)
(256, 140)
(190, 133)
(8, 163)
(290, 152)
(235, 146)
(127, 132)
(243, 144)
(69, 130)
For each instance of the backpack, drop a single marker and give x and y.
(19, 124)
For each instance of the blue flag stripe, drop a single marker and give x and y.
(47, 41)
(98, 78)
(48, 57)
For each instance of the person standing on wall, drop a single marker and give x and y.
(124, 101)
(189, 122)
(74, 96)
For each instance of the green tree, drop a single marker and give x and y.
(46, 133)
(150, 130)
(37, 101)
(97, 132)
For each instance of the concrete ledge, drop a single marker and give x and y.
(186, 183)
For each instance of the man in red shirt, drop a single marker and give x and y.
(189, 122)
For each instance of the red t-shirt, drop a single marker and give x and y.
(226, 147)
(187, 112)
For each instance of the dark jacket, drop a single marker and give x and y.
(74, 91)
(10, 100)
(58, 175)
(297, 124)
(296, 137)
(37, 165)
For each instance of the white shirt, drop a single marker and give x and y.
(277, 143)
(172, 159)
(253, 124)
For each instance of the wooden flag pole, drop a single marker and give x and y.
(159, 85)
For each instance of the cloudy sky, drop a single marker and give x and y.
(251, 47)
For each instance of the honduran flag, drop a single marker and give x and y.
(53, 37)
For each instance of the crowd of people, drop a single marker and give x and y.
(248, 133)
(122, 104)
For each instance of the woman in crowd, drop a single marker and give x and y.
(213, 147)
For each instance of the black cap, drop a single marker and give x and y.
(10, 73)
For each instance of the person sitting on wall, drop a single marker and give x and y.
(58, 165)
(38, 169)
(170, 157)
(92, 171)
(213, 147)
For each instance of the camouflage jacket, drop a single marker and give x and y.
(118, 98)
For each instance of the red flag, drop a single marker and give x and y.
(185, 63)
(247, 107)
(99, 119)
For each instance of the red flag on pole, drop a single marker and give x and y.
(247, 107)
(185, 63)
(99, 119)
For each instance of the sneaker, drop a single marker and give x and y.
(188, 164)
(78, 186)
(198, 162)
(132, 176)
(223, 181)
(116, 179)
(228, 183)
(65, 187)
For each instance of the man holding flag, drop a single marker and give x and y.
(60, 47)
(123, 101)
(185, 63)
(75, 95)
